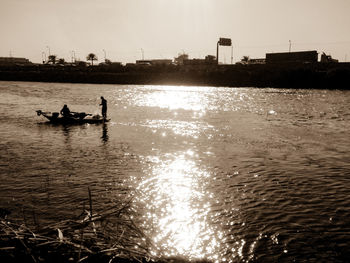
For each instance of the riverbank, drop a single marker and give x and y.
(312, 75)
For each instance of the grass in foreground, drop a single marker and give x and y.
(107, 236)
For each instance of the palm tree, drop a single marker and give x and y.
(91, 57)
(52, 59)
(61, 61)
(245, 59)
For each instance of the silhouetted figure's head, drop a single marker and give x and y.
(65, 110)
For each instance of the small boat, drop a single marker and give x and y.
(74, 118)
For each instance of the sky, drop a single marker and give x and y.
(126, 30)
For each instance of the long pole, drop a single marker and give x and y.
(49, 50)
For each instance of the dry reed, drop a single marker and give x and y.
(107, 236)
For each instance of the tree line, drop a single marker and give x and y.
(52, 59)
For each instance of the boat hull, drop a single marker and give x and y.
(76, 118)
(62, 120)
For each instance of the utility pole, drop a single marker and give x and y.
(290, 46)
(217, 53)
(74, 55)
(43, 57)
(231, 54)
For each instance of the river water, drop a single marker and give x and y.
(223, 174)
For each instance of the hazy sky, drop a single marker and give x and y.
(164, 28)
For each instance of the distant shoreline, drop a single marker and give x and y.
(305, 76)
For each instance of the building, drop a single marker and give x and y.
(144, 62)
(246, 60)
(256, 61)
(292, 57)
(162, 62)
(209, 60)
(154, 62)
(9, 61)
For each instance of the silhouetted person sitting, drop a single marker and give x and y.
(65, 112)
(104, 107)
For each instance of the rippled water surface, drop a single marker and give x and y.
(224, 174)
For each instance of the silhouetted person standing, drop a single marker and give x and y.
(65, 111)
(104, 107)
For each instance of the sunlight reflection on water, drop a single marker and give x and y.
(174, 191)
(193, 129)
(172, 97)
(176, 203)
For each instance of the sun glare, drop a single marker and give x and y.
(175, 199)
(171, 97)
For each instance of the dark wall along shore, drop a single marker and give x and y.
(311, 75)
